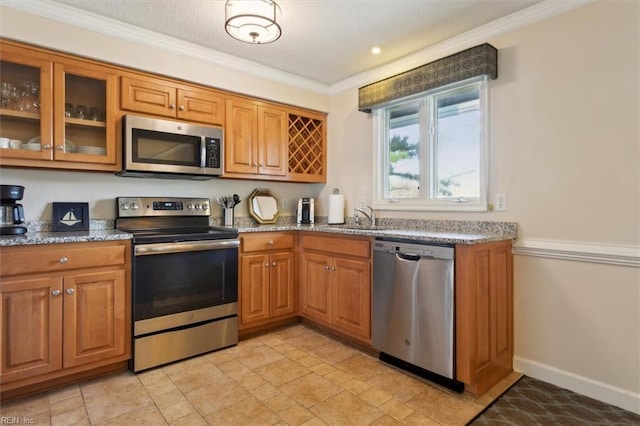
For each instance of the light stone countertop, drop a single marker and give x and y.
(431, 231)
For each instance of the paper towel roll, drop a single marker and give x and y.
(336, 208)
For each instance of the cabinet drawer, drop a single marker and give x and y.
(61, 257)
(339, 245)
(266, 241)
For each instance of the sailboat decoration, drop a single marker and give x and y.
(70, 218)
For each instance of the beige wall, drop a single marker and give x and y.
(564, 148)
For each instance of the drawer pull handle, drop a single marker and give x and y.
(271, 242)
(56, 292)
(64, 260)
(70, 291)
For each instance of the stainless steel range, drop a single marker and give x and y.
(185, 279)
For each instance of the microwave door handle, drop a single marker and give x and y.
(203, 152)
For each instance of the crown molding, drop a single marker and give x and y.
(110, 27)
(116, 29)
(479, 35)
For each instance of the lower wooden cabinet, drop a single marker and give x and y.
(484, 314)
(65, 309)
(335, 283)
(267, 286)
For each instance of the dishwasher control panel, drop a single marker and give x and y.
(414, 249)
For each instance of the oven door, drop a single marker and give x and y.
(181, 283)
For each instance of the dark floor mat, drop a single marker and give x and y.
(534, 402)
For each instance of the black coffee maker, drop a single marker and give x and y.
(11, 213)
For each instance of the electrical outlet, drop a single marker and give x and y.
(500, 202)
(361, 202)
(285, 204)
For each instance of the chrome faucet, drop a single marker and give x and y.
(371, 215)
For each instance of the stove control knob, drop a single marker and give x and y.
(205, 206)
(134, 206)
(123, 206)
(190, 206)
(197, 206)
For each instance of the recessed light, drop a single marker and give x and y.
(376, 50)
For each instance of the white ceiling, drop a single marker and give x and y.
(325, 41)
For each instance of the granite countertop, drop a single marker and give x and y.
(443, 232)
(48, 237)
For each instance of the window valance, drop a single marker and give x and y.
(473, 62)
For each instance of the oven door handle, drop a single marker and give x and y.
(186, 246)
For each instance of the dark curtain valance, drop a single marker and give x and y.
(473, 62)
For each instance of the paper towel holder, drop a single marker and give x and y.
(336, 208)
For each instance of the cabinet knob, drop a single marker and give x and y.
(266, 265)
(181, 107)
(63, 259)
(60, 147)
(333, 268)
(46, 146)
(56, 292)
(70, 291)
(172, 106)
(270, 242)
(327, 267)
(273, 264)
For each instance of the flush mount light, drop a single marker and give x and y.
(376, 50)
(252, 21)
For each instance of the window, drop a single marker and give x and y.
(432, 150)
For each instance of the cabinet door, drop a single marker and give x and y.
(241, 134)
(150, 96)
(281, 298)
(206, 106)
(352, 296)
(315, 290)
(254, 288)
(94, 317)
(84, 114)
(484, 314)
(272, 141)
(31, 316)
(26, 107)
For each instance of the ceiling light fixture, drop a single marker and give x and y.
(252, 21)
(376, 50)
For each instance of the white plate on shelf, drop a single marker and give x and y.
(33, 144)
(69, 146)
(92, 150)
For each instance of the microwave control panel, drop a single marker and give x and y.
(213, 155)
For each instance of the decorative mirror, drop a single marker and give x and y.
(263, 206)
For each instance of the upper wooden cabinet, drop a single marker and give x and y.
(164, 98)
(255, 139)
(267, 141)
(59, 112)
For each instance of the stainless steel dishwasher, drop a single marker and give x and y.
(413, 308)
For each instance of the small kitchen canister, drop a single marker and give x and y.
(227, 216)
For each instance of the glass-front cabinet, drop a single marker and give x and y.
(56, 112)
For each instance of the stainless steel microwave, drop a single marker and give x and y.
(155, 147)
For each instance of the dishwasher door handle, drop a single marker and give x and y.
(413, 256)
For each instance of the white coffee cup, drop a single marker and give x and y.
(4, 142)
(15, 144)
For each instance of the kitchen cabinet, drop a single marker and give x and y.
(267, 274)
(484, 314)
(65, 311)
(335, 283)
(307, 146)
(255, 140)
(60, 110)
(166, 98)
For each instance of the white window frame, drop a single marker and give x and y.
(427, 202)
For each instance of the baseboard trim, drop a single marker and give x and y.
(597, 390)
(580, 251)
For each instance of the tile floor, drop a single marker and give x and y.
(292, 376)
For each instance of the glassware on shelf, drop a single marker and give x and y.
(81, 112)
(94, 114)
(68, 110)
(5, 92)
